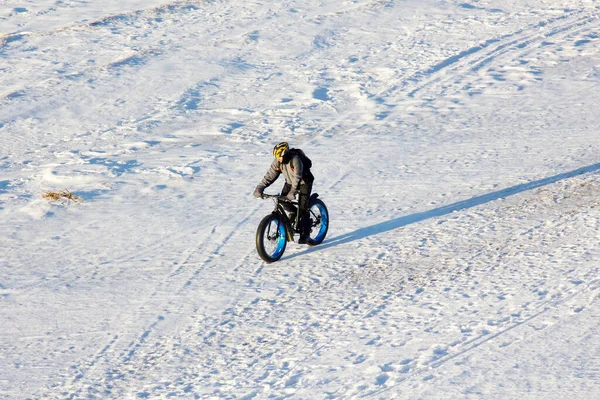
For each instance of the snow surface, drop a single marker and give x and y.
(455, 143)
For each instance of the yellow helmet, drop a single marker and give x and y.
(280, 149)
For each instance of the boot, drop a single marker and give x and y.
(304, 230)
(303, 239)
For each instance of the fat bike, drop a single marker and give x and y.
(278, 228)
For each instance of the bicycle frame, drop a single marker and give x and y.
(279, 210)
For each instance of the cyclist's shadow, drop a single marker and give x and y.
(437, 212)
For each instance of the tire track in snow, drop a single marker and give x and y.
(452, 71)
(86, 368)
(471, 60)
(179, 279)
(96, 375)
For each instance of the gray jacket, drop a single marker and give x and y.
(292, 171)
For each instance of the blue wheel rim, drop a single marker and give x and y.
(278, 243)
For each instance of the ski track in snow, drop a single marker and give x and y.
(273, 333)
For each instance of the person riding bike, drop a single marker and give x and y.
(295, 167)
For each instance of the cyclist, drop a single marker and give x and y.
(295, 167)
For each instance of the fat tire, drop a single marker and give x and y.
(261, 232)
(323, 211)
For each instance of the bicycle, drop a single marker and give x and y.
(276, 229)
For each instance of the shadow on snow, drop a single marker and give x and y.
(445, 210)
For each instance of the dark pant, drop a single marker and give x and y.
(303, 198)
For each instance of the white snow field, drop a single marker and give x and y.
(456, 144)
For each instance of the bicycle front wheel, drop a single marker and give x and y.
(271, 238)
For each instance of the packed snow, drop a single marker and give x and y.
(455, 143)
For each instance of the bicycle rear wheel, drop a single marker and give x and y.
(319, 222)
(271, 238)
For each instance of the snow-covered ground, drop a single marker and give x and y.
(455, 143)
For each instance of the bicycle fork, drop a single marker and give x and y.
(288, 228)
